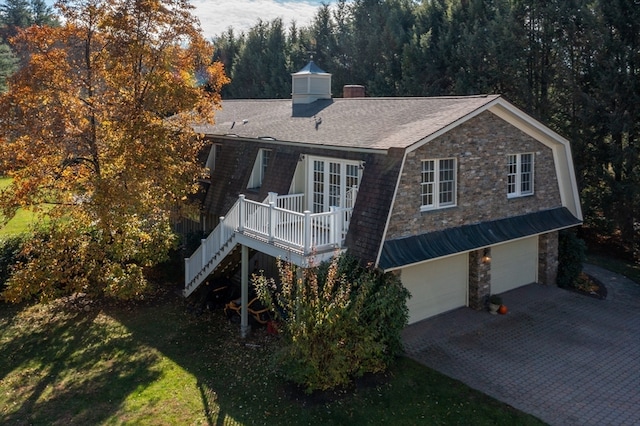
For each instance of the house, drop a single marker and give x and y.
(461, 196)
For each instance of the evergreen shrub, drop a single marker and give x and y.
(571, 255)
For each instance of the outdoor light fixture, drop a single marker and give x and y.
(486, 257)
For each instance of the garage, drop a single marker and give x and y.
(514, 264)
(437, 286)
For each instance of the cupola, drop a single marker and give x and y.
(310, 84)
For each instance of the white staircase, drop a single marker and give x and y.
(276, 227)
(218, 244)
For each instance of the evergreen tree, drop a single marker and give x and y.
(14, 14)
(424, 57)
(380, 30)
(8, 65)
(260, 68)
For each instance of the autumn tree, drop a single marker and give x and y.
(99, 125)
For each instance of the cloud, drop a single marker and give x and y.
(216, 16)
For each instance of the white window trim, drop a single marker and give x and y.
(212, 158)
(258, 172)
(519, 174)
(436, 205)
(326, 186)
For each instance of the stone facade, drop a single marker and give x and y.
(479, 278)
(480, 146)
(548, 258)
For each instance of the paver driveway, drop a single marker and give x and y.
(566, 358)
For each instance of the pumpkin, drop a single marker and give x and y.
(502, 310)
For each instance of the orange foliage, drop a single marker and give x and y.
(99, 121)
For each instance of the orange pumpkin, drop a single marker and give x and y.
(502, 310)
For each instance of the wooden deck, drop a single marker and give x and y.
(275, 223)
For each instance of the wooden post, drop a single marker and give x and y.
(273, 197)
(272, 220)
(333, 225)
(307, 232)
(241, 213)
(244, 298)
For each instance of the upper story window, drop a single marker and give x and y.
(332, 183)
(520, 175)
(438, 183)
(259, 168)
(214, 154)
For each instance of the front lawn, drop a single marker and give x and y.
(156, 363)
(21, 222)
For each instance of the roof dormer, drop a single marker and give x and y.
(310, 84)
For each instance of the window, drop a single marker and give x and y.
(212, 159)
(331, 183)
(520, 175)
(438, 183)
(259, 169)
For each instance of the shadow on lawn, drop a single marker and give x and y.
(234, 378)
(63, 366)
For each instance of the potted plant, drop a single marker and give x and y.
(494, 303)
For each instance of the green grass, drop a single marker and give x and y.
(23, 219)
(157, 364)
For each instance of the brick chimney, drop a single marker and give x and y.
(353, 91)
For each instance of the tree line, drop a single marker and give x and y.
(573, 64)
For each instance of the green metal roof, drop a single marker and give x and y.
(414, 249)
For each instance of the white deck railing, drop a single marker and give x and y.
(276, 221)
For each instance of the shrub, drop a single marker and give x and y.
(10, 248)
(571, 255)
(339, 321)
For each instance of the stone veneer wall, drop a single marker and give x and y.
(479, 279)
(548, 258)
(480, 146)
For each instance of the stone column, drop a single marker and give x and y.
(548, 258)
(479, 278)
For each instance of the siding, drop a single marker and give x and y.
(480, 146)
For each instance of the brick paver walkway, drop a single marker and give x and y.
(566, 358)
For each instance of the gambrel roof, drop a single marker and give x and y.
(354, 123)
(382, 132)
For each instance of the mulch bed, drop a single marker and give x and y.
(590, 286)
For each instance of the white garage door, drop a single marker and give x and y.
(514, 264)
(436, 287)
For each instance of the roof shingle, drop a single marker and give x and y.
(359, 123)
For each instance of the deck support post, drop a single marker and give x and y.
(244, 298)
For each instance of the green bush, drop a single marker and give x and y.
(571, 255)
(10, 248)
(339, 321)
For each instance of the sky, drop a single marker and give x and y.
(216, 16)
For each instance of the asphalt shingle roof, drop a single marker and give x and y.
(369, 123)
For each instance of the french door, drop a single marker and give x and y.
(331, 183)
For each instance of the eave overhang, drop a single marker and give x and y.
(411, 250)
